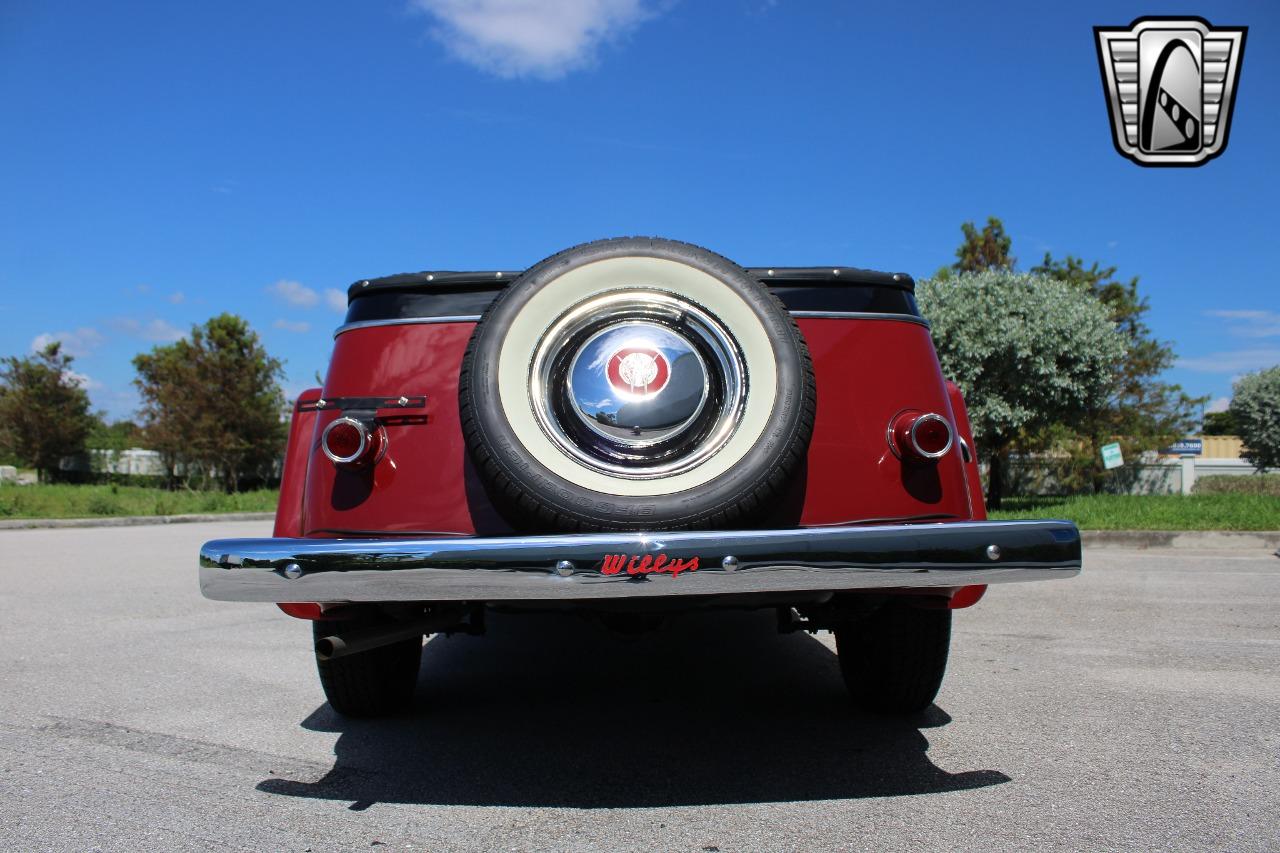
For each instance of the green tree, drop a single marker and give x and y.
(212, 402)
(1255, 407)
(1027, 351)
(1219, 423)
(1139, 410)
(44, 410)
(117, 435)
(987, 249)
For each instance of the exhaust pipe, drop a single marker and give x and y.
(376, 636)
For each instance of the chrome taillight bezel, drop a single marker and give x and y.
(372, 442)
(902, 435)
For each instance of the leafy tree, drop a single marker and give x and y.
(1139, 410)
(212, 402)
(1220, 423)
(117, 435)
(44, 411)
(1255, 406)
(1027, 351)
(984, 250)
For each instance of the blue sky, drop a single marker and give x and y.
(163, 162)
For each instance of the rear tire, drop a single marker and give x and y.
(374, 683)
(893, 660)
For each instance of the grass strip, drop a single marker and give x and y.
(61, 500)
(1152, 512)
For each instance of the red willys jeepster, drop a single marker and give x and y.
(633, 427)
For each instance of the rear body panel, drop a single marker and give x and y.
(867, 371)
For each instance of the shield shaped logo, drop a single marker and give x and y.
(1170, 85)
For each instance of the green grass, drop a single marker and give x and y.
(72, 501)
(1152, 512)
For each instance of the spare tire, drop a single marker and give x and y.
(639, 384)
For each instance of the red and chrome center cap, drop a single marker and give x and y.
(641, 371)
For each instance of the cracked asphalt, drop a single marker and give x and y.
(1134, 708)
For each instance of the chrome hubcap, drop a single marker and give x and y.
(638, 383)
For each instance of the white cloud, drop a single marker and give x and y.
(88, 383)
(336, 299)
(295, 293)
(1249, 323)
(177, 297)
(1233, 361)
(299, 326)
(534, 38)
(157, 330)
(1220, 404)
(77, 344)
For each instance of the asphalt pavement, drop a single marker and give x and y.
(1136, 707)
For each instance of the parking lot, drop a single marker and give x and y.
(1135, 707)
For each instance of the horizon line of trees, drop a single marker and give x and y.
(211, 406)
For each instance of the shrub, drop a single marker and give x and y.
(1255, 408)
(1226, 484)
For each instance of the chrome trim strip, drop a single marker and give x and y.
(475, 318)
(526, 568)
(860, 315)
(406, 321)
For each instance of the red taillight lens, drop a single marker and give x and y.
(348, 441)
(914, 435)
(931, 435)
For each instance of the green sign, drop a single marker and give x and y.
(1111, 457)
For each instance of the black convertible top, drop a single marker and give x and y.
(497, 279)
(462, 295)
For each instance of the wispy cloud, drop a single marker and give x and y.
(336, 299)
(1249, 323)
(294, 293)
(299, 326)
(177, 297)
(1233, 361)
(78, 343)
(157, 330)
(531, 38)
(1219, 404)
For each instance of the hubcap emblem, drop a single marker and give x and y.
(640, 371)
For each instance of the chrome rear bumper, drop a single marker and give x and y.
(637, 565)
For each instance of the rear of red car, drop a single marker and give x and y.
(633, 425)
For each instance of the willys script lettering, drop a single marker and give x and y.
(648, 564)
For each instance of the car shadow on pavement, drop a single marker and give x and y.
(553, 710)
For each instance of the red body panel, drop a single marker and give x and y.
(421, 484)
(977, 503)
(296, 461)
(867, 371)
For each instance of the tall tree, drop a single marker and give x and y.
(44, 410)
(1027, 351)
(1139, 410)
(212, 402)
(987, 249)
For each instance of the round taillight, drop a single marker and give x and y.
(348, 441)
(931, 436)
(920, 436)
